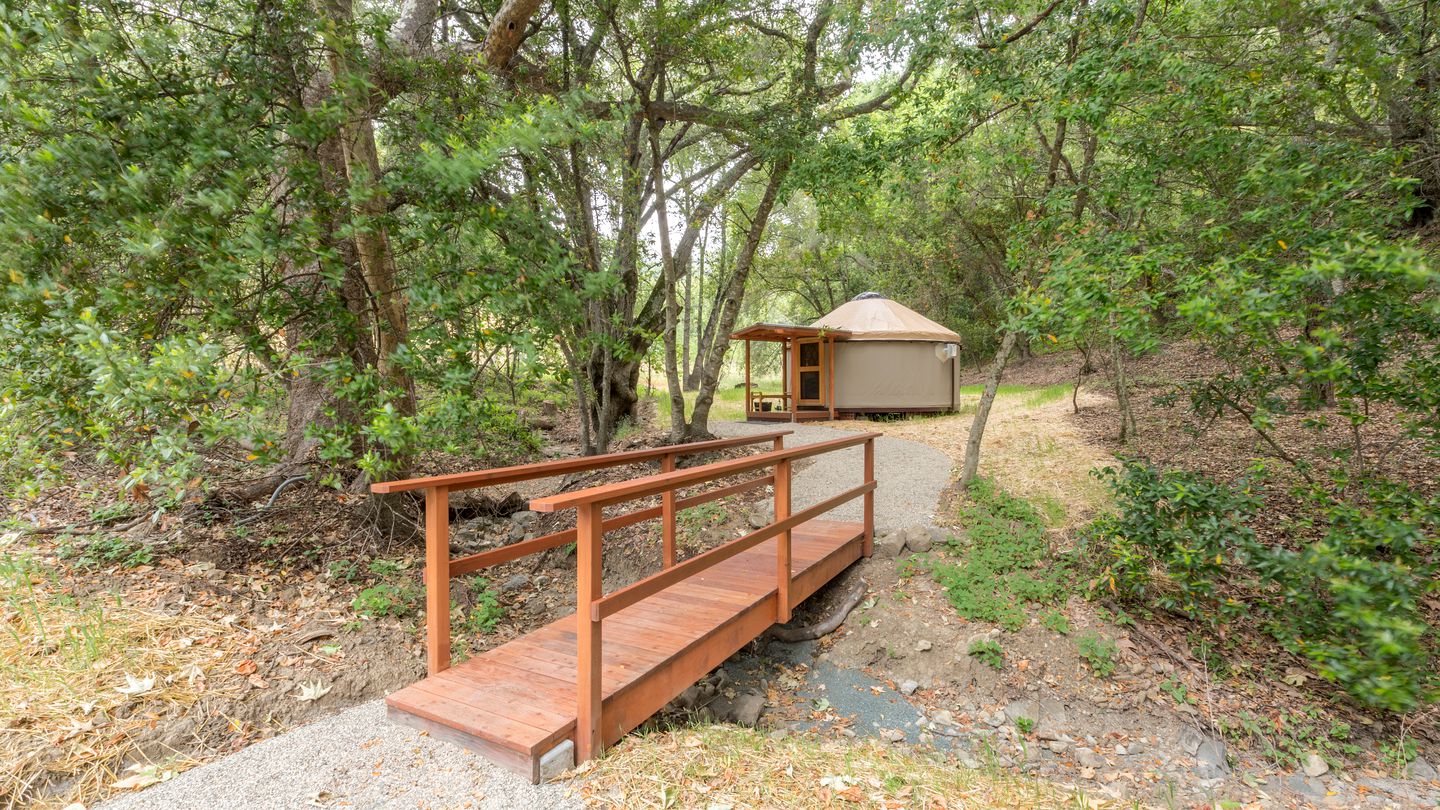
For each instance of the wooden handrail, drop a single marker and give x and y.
(655, 583)
(593, 605)
(545, 469)
(440, 569)
(619, 492)
(460, 566)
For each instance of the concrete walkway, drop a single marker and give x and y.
(910, 475)
(356, 759)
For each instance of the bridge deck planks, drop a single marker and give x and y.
(516, 702)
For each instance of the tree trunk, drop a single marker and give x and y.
(982, 411)
(672, 315)
(729, 308)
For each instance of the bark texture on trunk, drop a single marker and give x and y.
(982, 411)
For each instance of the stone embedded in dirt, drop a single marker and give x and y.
(746, 709)
(513, 583)
(1210, 761)
(892, 735)
(688, 698)
(1044, 715)
(1190, 741)
(758, 518)
(1307, 786)
(908, 687)
(1315, 765)
(1421, 769)
(1058, 746)
(923, 646)
(1135, 747)
(525, 517)
(890, 544)
(1088, 759)
(943, 717)
(917, 538)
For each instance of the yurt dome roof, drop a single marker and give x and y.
(872, 316)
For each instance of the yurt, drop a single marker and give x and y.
(871, 355)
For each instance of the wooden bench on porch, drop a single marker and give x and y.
(590, 678)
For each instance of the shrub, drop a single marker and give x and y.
(103, 551)
(1351, 602)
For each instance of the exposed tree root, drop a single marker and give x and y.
(825, 627)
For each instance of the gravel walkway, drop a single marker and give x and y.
(910, 475)
(356, 759)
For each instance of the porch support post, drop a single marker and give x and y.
(748, 403)
(830, 378)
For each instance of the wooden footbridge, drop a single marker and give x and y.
(590, 678)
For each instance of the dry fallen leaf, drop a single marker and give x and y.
(312, 691)
(136, 686)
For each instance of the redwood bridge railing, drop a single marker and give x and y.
(593, 605)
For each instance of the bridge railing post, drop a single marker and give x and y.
(667, 516)
(782, 541)
(437, 579)
(868, 545)
(589, 531)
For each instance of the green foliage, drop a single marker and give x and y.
(1001, 561)
(486, 613)
(1351, 601)
(387, 600)
(102, 551)
(988, 651)
(1057, 622)
(1289, 738)
(1099, 653)
(1024, 724)
(701, 516)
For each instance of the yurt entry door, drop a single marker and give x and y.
(810, 373)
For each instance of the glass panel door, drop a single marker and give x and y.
(810, 372)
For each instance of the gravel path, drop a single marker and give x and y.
(910, 475)
(357, 759)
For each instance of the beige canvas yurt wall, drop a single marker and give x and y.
(894, 375)
(893, 358)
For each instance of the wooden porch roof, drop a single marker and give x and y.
(784, 331)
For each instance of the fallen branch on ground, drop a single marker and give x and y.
(822, 628)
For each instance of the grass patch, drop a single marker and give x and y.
(1000, 561)
(71, 667)
(729, 404)
(1028, 396)
(725, 766)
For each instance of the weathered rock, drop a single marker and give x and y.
(513, 583)
(688, 698)
(1046, 714)
(1210, 761)
(1190, 741)
(923, 646)
(1307, 786)
(890, 544)
(1087, 758)
(943, 717)
(758, 518)
(1423, 770)
(746, 709)
(1058, 746)
(525, 518)
(908, 687)
(892, 735)
(918, 538)
(1315, 765)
